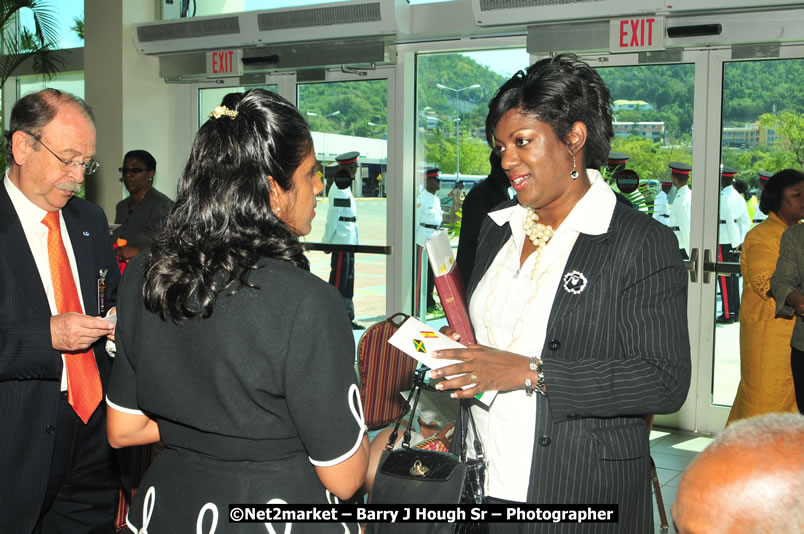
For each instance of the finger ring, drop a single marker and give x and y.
(474, 378)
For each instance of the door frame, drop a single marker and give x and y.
(704, 194)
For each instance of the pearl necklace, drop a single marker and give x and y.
(538, 233)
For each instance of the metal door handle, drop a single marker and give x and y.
(692, 265)
(709, 266)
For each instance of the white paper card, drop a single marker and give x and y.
(419, 341)
(439, 252)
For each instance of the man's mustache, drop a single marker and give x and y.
(73, 187)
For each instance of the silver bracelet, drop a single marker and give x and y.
(537, 366)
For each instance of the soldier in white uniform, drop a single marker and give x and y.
(428, 221)
(764, 176)
(734, 224)
(341, 229)
(661, 209)
(679, 220)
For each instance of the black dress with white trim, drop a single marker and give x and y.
(248, 400)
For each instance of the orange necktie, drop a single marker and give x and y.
(83, 381)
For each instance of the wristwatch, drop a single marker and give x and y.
(536, 365)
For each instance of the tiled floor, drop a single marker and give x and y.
(672, 451)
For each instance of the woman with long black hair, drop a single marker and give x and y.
(219, 350)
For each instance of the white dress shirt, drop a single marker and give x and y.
(510, 309)
(31, 216)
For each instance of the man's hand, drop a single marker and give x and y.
(126, 252)
(73, 331)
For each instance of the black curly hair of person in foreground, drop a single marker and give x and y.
(560, 91)
(222, 223)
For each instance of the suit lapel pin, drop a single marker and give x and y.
(574, 282)
(86, 234)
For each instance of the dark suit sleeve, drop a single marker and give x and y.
(786, 279)
(650, 369)
(26, 351)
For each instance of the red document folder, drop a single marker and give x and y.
(449, 285)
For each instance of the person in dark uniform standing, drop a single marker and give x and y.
(758, 217)
(428, 221)
(341, 229)
(478, 203)
(680, 210)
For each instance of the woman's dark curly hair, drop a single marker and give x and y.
(222, 223)
(560, 91)
(771, 198)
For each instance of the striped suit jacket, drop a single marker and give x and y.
(617, 348)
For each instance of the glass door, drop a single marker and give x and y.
(660, 124)
(728, 119)
(759, 134)
(349, 114)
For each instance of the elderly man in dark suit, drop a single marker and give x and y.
(57, 268)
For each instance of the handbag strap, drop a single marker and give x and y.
(466, 413)
(415, 391)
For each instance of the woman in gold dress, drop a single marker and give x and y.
(766, 381)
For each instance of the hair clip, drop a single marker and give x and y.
(219, 111)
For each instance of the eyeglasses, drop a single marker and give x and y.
(89, 167)
(130, 170)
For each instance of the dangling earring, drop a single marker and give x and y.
(574, 171)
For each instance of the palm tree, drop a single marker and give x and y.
(21, 44)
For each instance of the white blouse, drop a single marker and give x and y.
(510, 309)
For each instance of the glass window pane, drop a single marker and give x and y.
(71, 82)
(452, 94)
(763, 121)
(347, 117)
(652, 108)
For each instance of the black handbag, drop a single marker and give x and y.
(417, 476)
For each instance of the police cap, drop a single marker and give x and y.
(618, 158)
(347, 157)
(432, 173)
(728, 172)
(764, 175)
(679, 167)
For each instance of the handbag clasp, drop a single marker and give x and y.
(419, 469)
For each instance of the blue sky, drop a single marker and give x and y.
(65, 12)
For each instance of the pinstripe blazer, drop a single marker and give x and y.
(30, 369)
(614, 352)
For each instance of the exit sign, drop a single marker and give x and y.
(225, 63)
(636, 34)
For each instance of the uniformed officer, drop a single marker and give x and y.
(734, 224)
(341, 229)
(614, 165)
(764, 176)
(679, 220)
(661, 208)
(428, 221)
